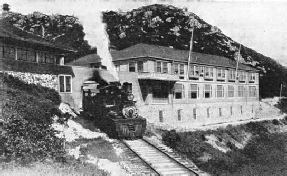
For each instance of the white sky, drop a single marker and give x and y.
(258, 24)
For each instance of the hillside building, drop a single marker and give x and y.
(209, 93)
(35, 60)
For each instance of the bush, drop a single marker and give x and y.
(28, 111)
(171, 138)
(275, 122)
(257, 127)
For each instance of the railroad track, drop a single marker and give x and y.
(161, 161)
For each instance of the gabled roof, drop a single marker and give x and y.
(9, 31)
(86, 61)
(167, 53)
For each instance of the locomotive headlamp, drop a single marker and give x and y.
(130, 97)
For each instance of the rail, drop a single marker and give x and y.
(127, 145)
(142, 148)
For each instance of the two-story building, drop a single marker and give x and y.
(35, 60)
(168, 92)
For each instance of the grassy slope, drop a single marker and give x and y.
(29, 138)
(264, 153)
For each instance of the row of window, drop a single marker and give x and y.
(208, 113)
(194, 72)
(9, 52)
(193, 92)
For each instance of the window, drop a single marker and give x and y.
(160, 114)
(231, 110)
(252, 108)
(241, 109)
(46, 58)
(230, 91)
(208, 112)
(181, 69)
(208, 72)
(160, 93)
(175, 68)
(128, 87)
(219, 91)
(193, 71)
(50, 58)
(207, 91)
(132, 66)
(252, 77)
(178, 91)
(21, 54)
(26, 55)
(220, 73)
(193, 91)
(31, 56)
(194, 113)
(242, 76)
(140, 66)
(252, 91)
(65, 83)
(240, 91)
(220, 112)
(158, 67)
(179, 114)
(231, 75)
(164, 67)
(41, 57)
(117, 67)
(9, 52)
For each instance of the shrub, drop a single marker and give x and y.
(28, 111)
(282, 105)
(231, 145)
(171, 138)
(275, 122)
(257, 127)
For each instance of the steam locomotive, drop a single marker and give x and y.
(113, 110)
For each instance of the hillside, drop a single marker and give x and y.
(30, 143)
(254, 148)
(167, 25)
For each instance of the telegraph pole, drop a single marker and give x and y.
(281, 91)
(189, 55)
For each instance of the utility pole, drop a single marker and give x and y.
(192, 23)
(281, 91)
(189, 55)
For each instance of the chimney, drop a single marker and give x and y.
(5, 10)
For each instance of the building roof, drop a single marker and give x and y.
(9, 31)
(167, 53)
(86, 61)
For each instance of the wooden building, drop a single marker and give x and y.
(209, 93)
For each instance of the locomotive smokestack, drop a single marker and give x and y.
(5, 9)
